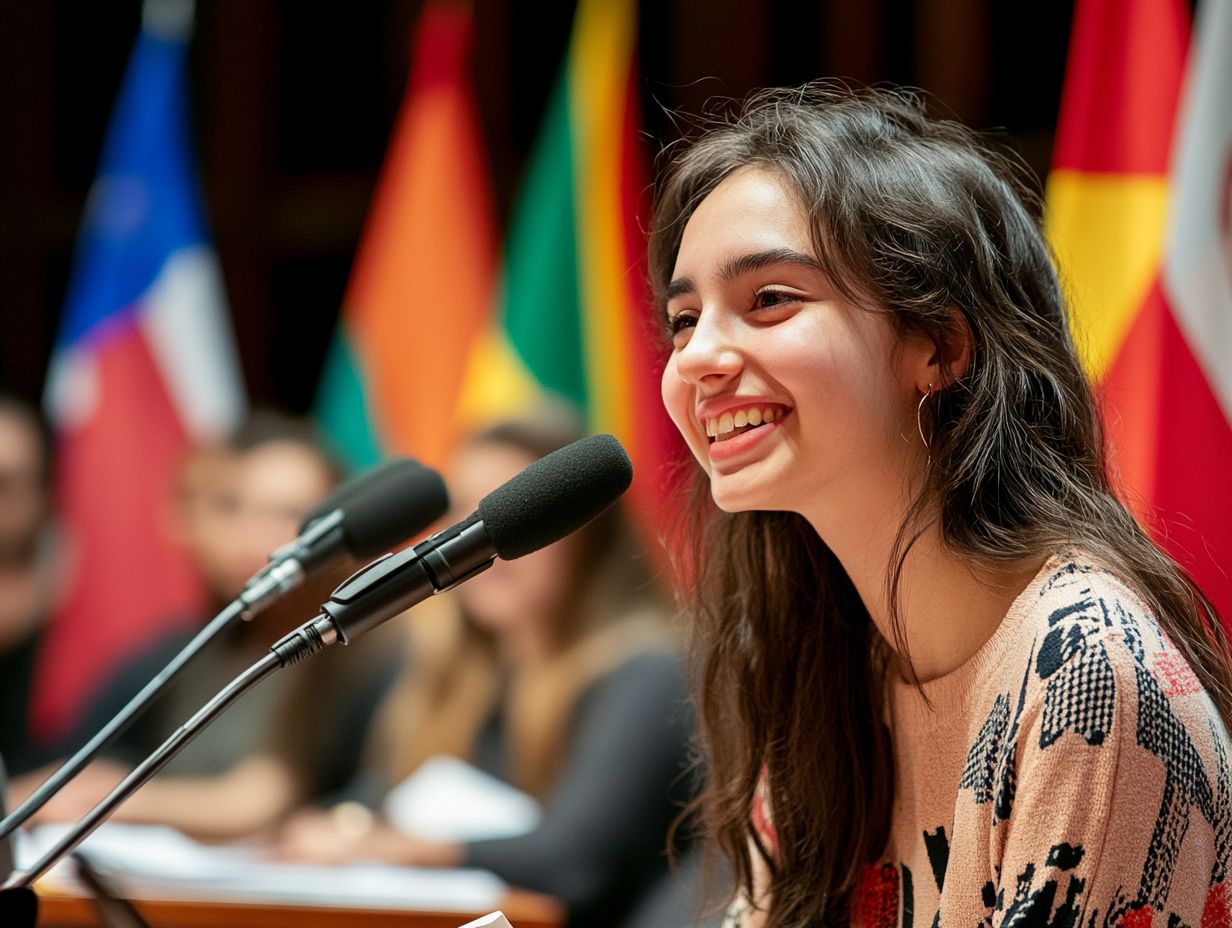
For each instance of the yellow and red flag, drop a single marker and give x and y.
(1138, 213)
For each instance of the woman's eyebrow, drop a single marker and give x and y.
(755, 261)
(678, 287)
(745, 264)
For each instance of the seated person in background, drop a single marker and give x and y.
(555, 673)
(28, 576)
(256, 761)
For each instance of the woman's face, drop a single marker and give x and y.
(510, 597)
(789, 396)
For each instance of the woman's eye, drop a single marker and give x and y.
(678, 322)
(767, 299)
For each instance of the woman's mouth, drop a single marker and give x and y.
(730, 424)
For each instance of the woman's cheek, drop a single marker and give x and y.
(677, 400)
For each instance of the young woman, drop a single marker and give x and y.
(556, 673)
(945, 677)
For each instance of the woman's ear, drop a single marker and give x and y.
(953, 351)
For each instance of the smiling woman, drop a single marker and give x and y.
(757, 325)
(942, 671)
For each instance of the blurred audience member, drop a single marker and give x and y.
(203, 516)
(28, 575)
(555, 673)
(237, 503)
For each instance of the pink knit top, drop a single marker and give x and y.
(1073, 773)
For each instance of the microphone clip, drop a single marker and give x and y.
(288, 565)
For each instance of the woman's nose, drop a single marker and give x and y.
(711, 354)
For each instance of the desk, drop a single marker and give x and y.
(60, 908)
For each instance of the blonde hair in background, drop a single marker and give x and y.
(613, 610)
(454, 682)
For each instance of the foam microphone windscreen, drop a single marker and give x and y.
(556, 495)
(389, 469)
(385, 505)
(384, 513)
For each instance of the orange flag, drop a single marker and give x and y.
(421, 288)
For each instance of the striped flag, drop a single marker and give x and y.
(144, 364)
(421, 288)
(1137, 211)
(576, 317)
(1196, 477)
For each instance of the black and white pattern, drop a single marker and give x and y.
(1042, 906)
(1223, 813)
(991, 770)
(1185, 785)
(979, 773)
(1106, 689)
(1076, 667)
(1080, 695)
(938, 847)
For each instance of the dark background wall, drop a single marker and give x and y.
(293, 103)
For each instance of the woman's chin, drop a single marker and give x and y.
(733, 495)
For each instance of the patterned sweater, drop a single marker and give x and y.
(1073, 773)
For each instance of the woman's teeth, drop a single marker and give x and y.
(725, 426)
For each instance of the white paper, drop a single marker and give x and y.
(491, 920)
(162, 862)
(447, 799)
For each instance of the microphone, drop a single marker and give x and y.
(367, 514)
(555, 496)
(552, 498)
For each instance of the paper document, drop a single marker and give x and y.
(159, 861)
(447, 799)
(491, 920)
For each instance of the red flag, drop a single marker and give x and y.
(1122, 164)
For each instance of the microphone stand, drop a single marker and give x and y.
(302, 642)
(276, 578)
(75, 764)
(18, 907)
(7, 846)
(114, 910)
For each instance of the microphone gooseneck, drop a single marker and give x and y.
(89, 823)
(370, 513)
(552, 498)
(365, 516)
(126, 716)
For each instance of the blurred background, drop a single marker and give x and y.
(292, 106)
(247, 248)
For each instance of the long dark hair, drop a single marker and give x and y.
(919, 219)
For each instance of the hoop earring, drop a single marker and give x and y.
(919, 421)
